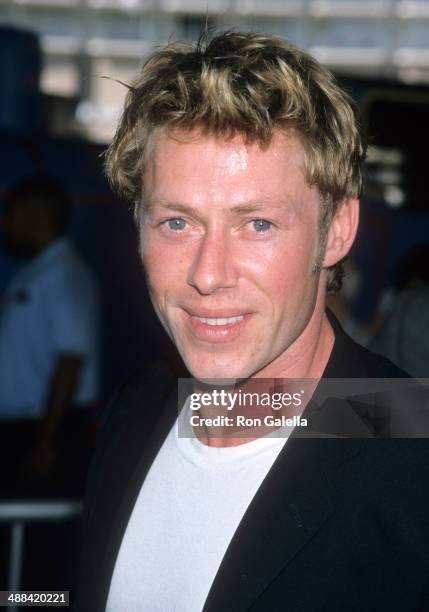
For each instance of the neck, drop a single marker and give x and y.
(308, 355)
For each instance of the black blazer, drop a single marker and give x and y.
(338, 525)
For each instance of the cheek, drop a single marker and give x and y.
(283, 267)
(165, 267)
(155, 259)
(156, 277)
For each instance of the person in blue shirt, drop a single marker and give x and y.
(48, 338)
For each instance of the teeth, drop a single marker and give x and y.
(228, 321)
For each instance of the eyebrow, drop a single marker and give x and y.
(246, 207)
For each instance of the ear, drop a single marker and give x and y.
(342, 232)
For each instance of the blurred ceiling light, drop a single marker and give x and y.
(381, 155)
(115, 4)
(394, 196)
(412, 10)
(86, 113)
(388, 176)
(412, 75)
(350, 56)
(349, 8)
(129, 4)
(411, 57)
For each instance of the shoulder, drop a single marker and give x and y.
(377, 365)
(392, 479)
(137, 402)
(351, 360)
(139, 390)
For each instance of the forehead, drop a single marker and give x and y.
(224, 168)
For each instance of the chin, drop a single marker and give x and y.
(218, 373)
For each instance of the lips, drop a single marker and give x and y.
(215, 313)
(216, 326)
(220, 321)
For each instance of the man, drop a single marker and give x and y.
(48, 347)
(243, 158)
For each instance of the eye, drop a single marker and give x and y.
(261, 225)
(175, 224)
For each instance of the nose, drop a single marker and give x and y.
(213, 266)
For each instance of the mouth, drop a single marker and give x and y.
(221, 328)
(220, 321)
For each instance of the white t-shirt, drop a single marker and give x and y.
(185, 516)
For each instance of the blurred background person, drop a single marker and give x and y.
(403, 334)
(342, 302)
(49, 332)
